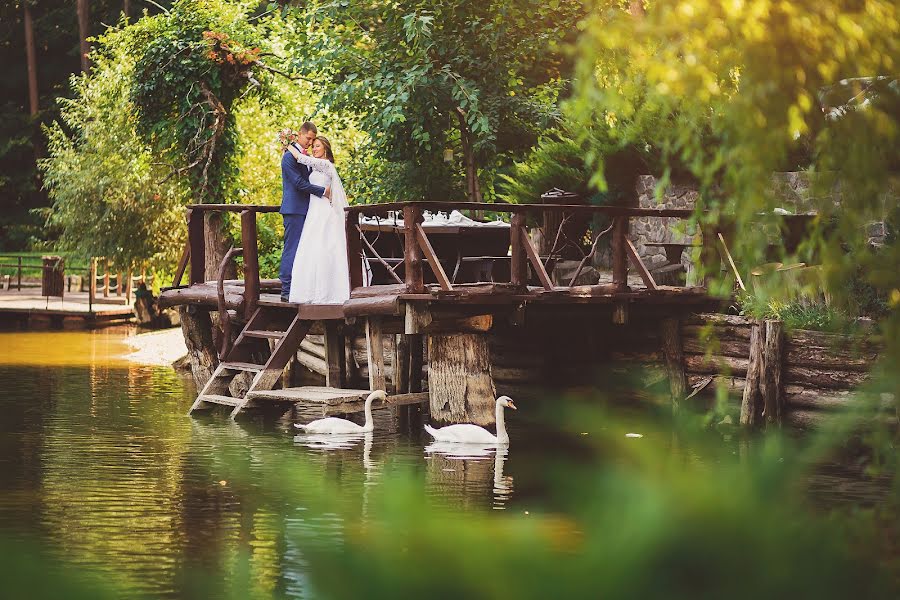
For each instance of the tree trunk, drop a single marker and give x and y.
(32, 62)
(772, 385)
(459, 379)
(196, 327)
(217, 245)
(83, 33)
(126, 8)
(473, 189)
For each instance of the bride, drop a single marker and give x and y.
(320, 274)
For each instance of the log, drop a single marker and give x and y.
(817, 349)
(719, 319)
(752, 402)
(375, 343)
(735, 348)
(719, 332)
(715, 365)
(674, 359)
(196, 326)
(334, 357)
(459, 379)
(772, 386)
(824, 378)
(313, 349)
(313, 363)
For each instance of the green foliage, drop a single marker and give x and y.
(557, 161)
(108, 198)
(467, 77)
(798, 313)
(192, 65)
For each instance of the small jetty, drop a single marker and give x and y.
(432, 301)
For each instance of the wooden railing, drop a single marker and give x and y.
(417, 245)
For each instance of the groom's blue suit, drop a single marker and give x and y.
(295, 191)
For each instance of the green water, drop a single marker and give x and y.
(102, 472)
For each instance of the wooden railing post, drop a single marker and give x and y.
(251, 261)
(198, 246)
(19, 276)
(92, 284)
(518, 271)
(412, 254)
(619, 253)
(354, 250)
(106, 278)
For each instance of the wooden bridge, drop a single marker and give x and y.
(418, 290)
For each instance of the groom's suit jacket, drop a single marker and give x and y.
(295, 187)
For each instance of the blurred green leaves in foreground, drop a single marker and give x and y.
(682, 512)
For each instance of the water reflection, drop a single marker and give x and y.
(465, 460)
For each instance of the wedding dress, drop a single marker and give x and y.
(320, 273)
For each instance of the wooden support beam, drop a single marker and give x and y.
(619, 253)
(620, 313)
(106, 278)
(412, 253)
(197, 245)
(518, 259)
(401, 364)
(388, 268)
(354, 250)
(417, 318)
(534, 259)
(250, 245)
(709, 258)
(734, 270)
(670, 336)
(751, 402)
(182, 265)
(375, 345)
(459, 379)
(640, 266)
(773, 363)
(416, 361)
(334, 356)
(436, 267)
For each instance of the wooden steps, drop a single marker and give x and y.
(263, 334)
(333, 401)
(218, 399)
(242, 366)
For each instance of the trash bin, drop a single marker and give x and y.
(53, 276)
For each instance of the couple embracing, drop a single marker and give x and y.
(314, 260)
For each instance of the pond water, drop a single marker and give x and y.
(101, 468)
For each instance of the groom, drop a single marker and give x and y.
(295, 191)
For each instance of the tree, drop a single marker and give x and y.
(31, 60)
(467, 78)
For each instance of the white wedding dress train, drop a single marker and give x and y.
(320, 273)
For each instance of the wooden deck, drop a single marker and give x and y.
(74, 308)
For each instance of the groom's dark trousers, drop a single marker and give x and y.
(295, 191)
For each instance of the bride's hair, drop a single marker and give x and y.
(328, 153)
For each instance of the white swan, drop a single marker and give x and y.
(333, 425)
(467, 433)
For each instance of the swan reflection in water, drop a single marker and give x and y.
(502, 485)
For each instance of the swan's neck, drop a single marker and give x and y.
(370, 423)
(502, 436)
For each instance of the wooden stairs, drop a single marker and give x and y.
(284, 329)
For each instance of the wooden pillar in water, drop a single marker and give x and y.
(670, 335)
(460, 385)
(773, 360)
(196, 326)
(751, 404)
(375, 345)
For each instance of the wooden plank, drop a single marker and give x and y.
(360, 307)
(182, 265)
(375, 345)
(354, 251)
(320, 312)
(197, 245)
(533, 258)
(436, 267)
(250, 244)
(639, 265)
(731, 262)
(389, 402)
(518, 262)
(619, 256)
(412, 254)
(434, 206)
(219, 399)
(334, 356)
(417, 317)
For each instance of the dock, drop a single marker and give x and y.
(437, 309)
(28, 307)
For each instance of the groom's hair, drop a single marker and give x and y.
(309, 126)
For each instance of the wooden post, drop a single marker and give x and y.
(106, 278)
(773, 360)
(92, 284)
(251, 262)
(670, 335)
(416, 361)
(354, 250)
(433, 261)
(619, 253)
(334, 356)
(119, 284)
(375, 344)
(31, 61)
(460, 384)
(412, 254)
(401, 364)
(709, 257)
(19, 276)
(751, 404)
(128, 286)
(197, 245)
(519, 259)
